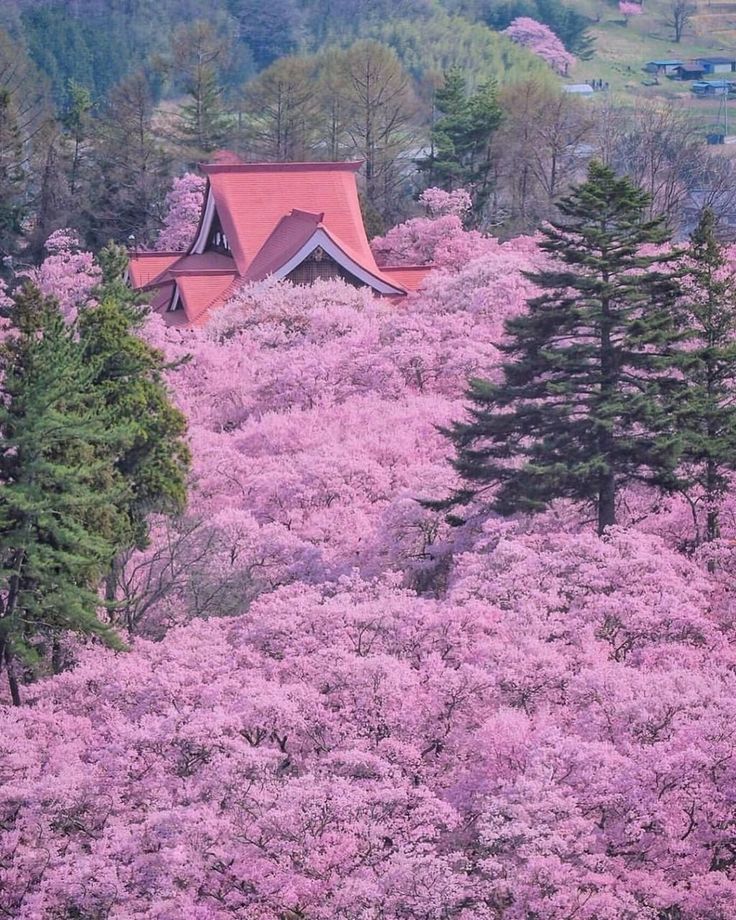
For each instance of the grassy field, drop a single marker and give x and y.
(621, 50)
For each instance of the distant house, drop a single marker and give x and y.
(718, 64)
(579, 89)
(668, 68)
(711, 88)
(691, 71)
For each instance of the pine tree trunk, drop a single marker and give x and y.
(712, 528)
(7, 656)
(606, 502)
(606, 479)
(56, 660)
(111, 581)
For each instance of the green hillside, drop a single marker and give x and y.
(622, 48)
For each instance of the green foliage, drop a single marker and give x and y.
(132, 168)
(270, 30)
(582, 408)
(706, 415)
(461, 139)
(93, 50)
(23, 116)
(430, 47)
(60, 498)
(199, 54)
(569, 25)
(128, 379)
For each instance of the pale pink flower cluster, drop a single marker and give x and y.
(183, 209)
(439, 202)
(542, 41)
(69, 272)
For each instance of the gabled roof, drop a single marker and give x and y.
(145, 267)
(252, 198)
(198, 292)
(409, 277)
(272, 216)
(287, 238)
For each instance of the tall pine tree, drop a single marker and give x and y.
(128, 379)
(59, 491)
(706, 414)
(461, 139)
(581, 409)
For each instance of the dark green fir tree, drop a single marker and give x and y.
(707, 413)
(582, 407)
(129, 379)
(461, 139)
(59, 490)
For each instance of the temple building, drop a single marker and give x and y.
(293, 221)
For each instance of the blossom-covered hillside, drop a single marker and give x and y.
(337, 705)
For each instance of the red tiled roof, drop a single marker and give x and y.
(145, 267)
(201, 263)
(252, 198)
(290, 234)
(407, 276)
(199, 291)
(287, 238)
(269, 212)
(162, 297)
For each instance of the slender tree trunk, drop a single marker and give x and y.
(606, 502)
(7, 656)
(56, 662)
(606, 479)
(712, 523)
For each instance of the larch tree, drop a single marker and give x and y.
(77, 123)
(537, 142)
(60, 495)
(707, 413)
(581, 409)
(380, 111)
(198, 55)
(24, 117)
(132, 167)
(331, 104)
(279, 111)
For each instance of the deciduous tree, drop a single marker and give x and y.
(679, 16)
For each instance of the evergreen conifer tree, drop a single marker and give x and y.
(59, 490)
(707, 413)
(461, 139)
(581, 409)
(129, 380)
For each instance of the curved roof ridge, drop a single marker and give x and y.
(311, 166)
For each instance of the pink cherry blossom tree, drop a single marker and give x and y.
(542, 41)
(184, 207)
(629, 9)
(68, 272)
